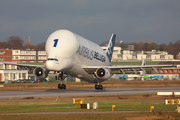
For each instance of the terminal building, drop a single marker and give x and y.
(10, 55)
(10, 73)
(120, 55)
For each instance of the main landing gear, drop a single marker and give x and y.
(61, 78)
(98, 87)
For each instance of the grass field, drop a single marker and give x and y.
(130, 109)
(135, 63)
(112, 63)
(96, 116)
(24, 106)
(85, 85)
(32, 63)
(136, 107)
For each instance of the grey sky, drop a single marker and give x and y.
(95, 20)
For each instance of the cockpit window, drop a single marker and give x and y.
(52, 59)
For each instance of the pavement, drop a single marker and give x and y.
(85, 92)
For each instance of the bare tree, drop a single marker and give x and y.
(27, 46)
(41, 46)
(4, 45)
(15, 42)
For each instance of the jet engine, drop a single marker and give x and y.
(40, 72)
(103, 73)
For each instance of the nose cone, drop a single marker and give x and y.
(52, 65)
(49, 65)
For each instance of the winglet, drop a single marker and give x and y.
(109, 50)
(143, 62)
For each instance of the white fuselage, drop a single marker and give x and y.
(69, 52)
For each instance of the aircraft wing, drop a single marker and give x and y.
(125, 69)
(23, 65)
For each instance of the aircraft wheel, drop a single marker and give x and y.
(100, 87)
(59, 86)
(63, 86)
(96, 87)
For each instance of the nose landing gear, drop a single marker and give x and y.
(61, 78)
(62, 86)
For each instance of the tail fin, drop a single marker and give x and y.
(109, 50)
(143, 62)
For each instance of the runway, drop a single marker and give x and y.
(85, 92)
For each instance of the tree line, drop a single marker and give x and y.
(15, 42)
(171, 48)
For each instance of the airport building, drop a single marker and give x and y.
(168, 71)
(10, 73)
(120, 55)
(10, 55)
(130, 77)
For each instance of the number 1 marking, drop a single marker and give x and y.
(55, 42)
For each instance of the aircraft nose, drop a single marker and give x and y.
(49, 64)
(56, 65)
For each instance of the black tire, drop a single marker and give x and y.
(96, 87)
(64, 86)
(59, 86)
(100, 87)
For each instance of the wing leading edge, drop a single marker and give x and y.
(125, 69)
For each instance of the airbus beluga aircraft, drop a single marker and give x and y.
(71, 54)
(76, 56)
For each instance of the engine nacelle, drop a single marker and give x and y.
(40, 72)
(103, 73)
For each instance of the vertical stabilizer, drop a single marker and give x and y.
(143, 72)
(143, 62)
(109, 50)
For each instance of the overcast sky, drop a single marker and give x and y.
(95, 20)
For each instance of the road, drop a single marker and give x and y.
(85, 92)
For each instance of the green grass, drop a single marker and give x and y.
(135, 63)
(33, 106)
(112, 63)
(32, 63)
(96, 116)
(85, 85)
(24, 106)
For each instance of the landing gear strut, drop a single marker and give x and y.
(98, 87)
(61, 78)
